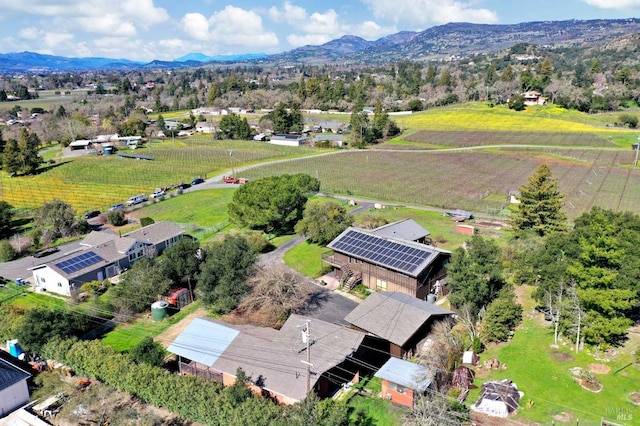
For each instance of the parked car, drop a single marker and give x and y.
(91, 214)
(158, 193)
(184, 186)
(137, 199)
(197, 181)
(116, 207)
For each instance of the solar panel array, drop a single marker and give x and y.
(398, 256)
(79, 262)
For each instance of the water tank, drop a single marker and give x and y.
(431, 298)
(107, 150)
(159, 310)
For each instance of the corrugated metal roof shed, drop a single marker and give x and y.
(203, 341)
(405, 373)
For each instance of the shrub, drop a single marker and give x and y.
(116, 218)
(146, 221)
(6, 251)
(628, 120)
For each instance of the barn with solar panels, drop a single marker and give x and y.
(103, 255)
(387, 261)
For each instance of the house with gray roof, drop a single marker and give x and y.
(103, 255)
(14, 391)
(385, 259)
(403, 381)
(400, 322)
(274, 359)
(407, 229)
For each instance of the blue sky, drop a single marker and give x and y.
(166, 29)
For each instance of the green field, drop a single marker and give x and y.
(201, 213)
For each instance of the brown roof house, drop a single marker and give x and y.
(400, 322)
(388, 258)
(276, 360)
(104, 254)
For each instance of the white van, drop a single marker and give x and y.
(136, 199)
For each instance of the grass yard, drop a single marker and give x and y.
(306, 258)
(126, 336)
(202, 213)
(542, 373)
(373, 411)
(23, 298)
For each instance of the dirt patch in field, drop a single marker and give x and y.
(635, 398)
(599, 368)
(563, 417)
(169, 335)
(561, 356)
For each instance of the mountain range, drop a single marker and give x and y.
(449, 40)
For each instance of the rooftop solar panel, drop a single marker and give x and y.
(79, 262)
(382, 251)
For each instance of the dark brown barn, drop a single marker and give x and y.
(385, 263)
(399, 321)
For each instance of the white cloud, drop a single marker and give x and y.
(370, 30)
(230, 26)
(196, 26)
(86, 14)
(52, 39)
(427, 12)
(614, 4)
(305, 39)
(290, 14)
(31, 33)
(107, 24)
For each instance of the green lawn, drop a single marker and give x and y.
(542, 373)
(22, 297)
(306, 258)
(202, 213)
(373, 411)
(126, 336)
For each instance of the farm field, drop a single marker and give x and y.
(478, 116)
(475, 181)
(462, 139)
(91, 181)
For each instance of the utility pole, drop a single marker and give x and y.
(306, 338)
(637, 147)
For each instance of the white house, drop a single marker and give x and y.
(205, 127)
(103, 255)
(288, 139)
(14, 391)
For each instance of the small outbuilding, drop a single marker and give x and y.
(498, 398)
(403, 381)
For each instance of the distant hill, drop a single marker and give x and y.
(31, 61)
(201, 57)
(450, 40)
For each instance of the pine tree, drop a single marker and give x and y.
(540, 207)
(10, 160)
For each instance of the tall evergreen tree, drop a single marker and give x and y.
(475, 274)
(28, 156)
(540, 208)
(10, 157)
